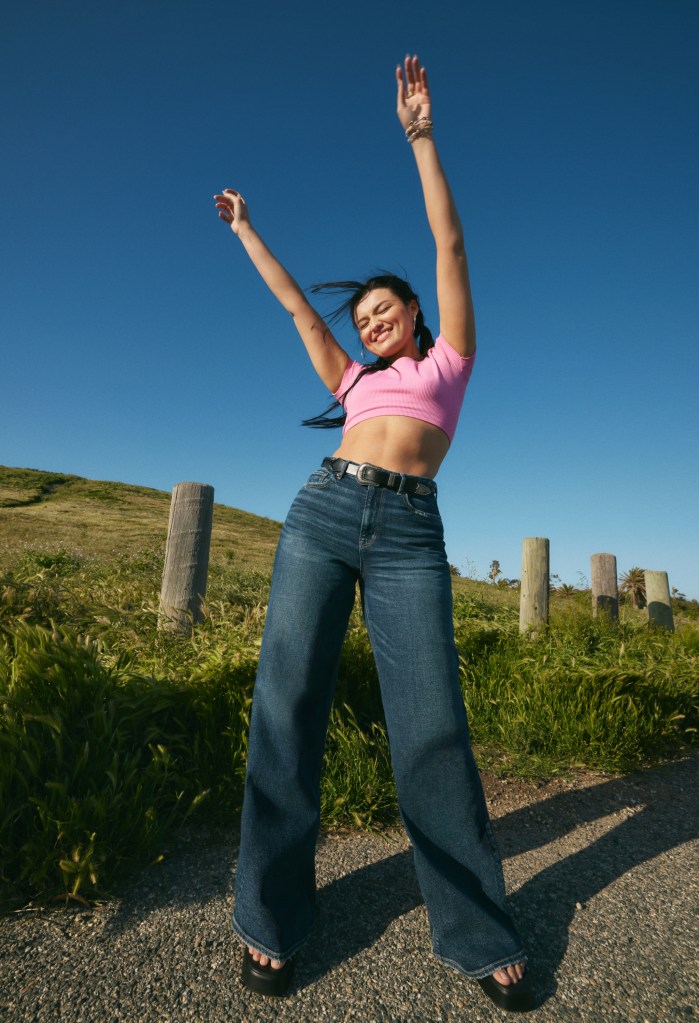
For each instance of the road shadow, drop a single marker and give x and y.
(663, 815)
(355, 910)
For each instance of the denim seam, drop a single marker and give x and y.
(492, 842)
(379, 498)
(435, 517)
(321, 483)
(485, 971)
(287, 954)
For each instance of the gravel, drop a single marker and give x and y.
(602, 873)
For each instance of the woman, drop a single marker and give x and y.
(369, 514)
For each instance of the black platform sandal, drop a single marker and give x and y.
(517, 997)
(264, 980)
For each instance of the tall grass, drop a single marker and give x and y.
(111, 734)
(586, 693)
(99, 763)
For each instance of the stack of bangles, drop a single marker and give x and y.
(418, 129)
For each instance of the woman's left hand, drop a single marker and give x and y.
(413, 92)
(233, 209)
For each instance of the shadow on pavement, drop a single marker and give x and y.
(356, 909)
(663, 815)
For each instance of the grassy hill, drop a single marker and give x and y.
(96, 519)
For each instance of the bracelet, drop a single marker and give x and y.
(416, 124)
(420, 128)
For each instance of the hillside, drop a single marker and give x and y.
(95, 518)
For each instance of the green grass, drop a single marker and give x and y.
(111, 734)
(587, 693)
(96, 519)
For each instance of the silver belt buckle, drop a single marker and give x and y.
(361, 477)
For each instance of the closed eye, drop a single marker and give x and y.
(377, 312)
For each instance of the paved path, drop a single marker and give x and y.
(603, 876)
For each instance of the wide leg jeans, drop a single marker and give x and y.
(338, 532)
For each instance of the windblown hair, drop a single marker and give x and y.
(355, 292)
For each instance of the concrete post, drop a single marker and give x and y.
(658, 600)
(605, 596)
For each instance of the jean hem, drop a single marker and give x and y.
(264, 949)
(485, 971)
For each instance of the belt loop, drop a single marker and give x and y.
(401, 486)
(340, 467)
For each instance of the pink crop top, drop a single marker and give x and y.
(432, 389)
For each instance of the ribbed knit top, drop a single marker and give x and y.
(431, 389)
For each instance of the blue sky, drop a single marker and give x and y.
(140, 346)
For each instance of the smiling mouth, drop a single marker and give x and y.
(382, 336)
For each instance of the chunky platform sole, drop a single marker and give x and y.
(263, 980)
(517, 997)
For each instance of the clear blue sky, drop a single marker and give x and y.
(138, 344)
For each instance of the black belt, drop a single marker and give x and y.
(372, 476)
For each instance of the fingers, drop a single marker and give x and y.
(224, 207)
(412, 73)
(401, 86)
(409, 74)
(226, 203)
(230, 197)
(415, 76)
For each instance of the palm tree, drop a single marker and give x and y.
(633, 584)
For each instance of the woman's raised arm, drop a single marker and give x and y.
(457, 323)
(328, 358)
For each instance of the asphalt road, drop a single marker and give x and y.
(603, 875)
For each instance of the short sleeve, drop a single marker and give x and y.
(462, 363)
(352, 371)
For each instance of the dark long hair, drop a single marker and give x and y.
(355, 291)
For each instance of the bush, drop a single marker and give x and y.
(585, 693)
(98, 764)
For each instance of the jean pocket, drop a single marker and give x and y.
(422, 504)
(319, 478)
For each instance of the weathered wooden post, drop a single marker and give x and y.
(534, 591)
(605, 596)
(658, 600)
(186, 556)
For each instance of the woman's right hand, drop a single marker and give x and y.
(233, 209)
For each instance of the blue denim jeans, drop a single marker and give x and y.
(338, 532)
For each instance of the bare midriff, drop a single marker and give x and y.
(398, 443)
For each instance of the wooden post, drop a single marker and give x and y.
(534, 592)
(658, 600)
(605, 596)
(186, 557)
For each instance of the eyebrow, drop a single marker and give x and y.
(373, 310)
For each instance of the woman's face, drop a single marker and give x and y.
(386, 324)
